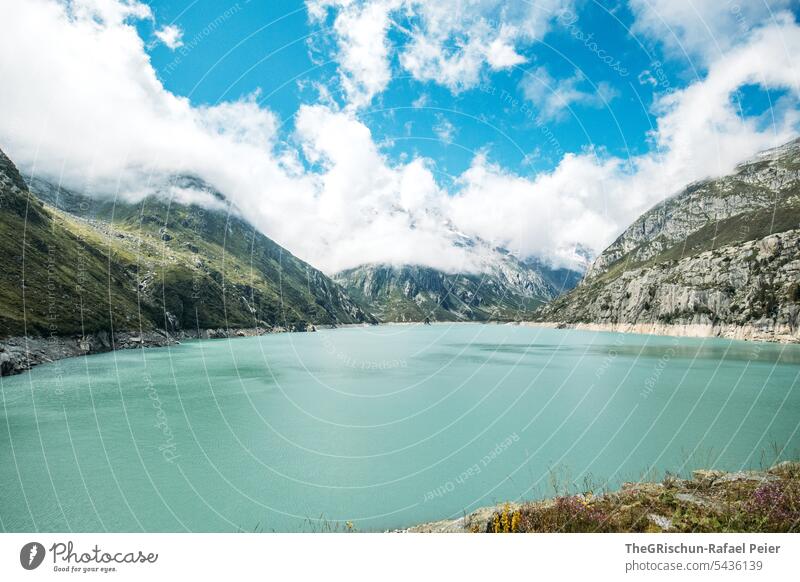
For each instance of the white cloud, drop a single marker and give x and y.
(368, 210)
(554, 99)
(421, 102)
(171, 35)
(701, 30)
(109, 11)
(88, 109)
(89, 104)
(444, 129)
(363, 49)
(501, 55)
(448, 42)
(452, 40)
(589, 198)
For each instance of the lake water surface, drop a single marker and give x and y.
(382, 426)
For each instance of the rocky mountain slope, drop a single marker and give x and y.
(722, 257)
(78, 267)
(504, 289)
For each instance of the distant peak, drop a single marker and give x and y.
(776, 152)
(9, 173)
(193, 182)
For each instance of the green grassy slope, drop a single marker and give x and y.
(94, 265)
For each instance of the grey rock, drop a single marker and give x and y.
(785, 468)
(753, 186)
(472, 522)
(693, 499)
(755, 476)
(19, 354)
(664, 523)
(703, 263)
(705, 477)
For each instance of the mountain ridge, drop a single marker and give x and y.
(721, 257)
(506, 289)
(100, 274)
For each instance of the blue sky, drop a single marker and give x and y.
(357, 131)
(264, 46)
(267, 47)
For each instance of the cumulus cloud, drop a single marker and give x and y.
(171, 35)
(555, 98)
(110, 11)
(89, 111)
(701, 30)
(88, 108)
(502, 55)
(368, 210)
(449, 42)
(590, 198)
(363, 48)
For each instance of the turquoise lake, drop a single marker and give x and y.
(383, 426)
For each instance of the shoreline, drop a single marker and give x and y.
(708, 501)
(782, 334)
(19, 354)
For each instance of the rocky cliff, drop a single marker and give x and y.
(720, 258)
(766, 182)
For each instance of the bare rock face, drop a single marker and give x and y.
(721, 258)
(756, 185)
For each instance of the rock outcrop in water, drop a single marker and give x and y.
(720, 258)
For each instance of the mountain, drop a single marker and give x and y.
(76, 266)
(722, 257)
(502, 288)
(562, 279)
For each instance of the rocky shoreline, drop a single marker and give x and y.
(775, 333)
(710, 501)
(19, 354)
